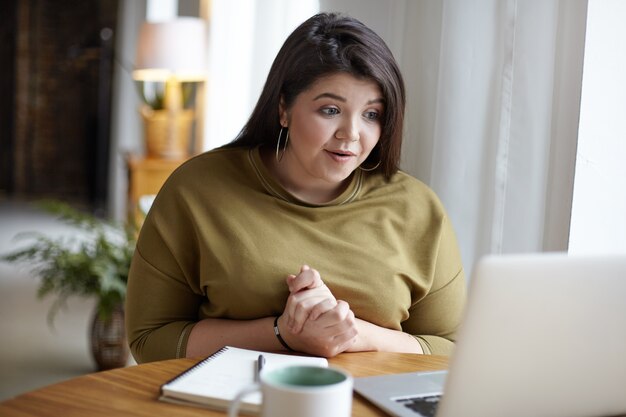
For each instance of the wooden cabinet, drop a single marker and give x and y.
(145, 178)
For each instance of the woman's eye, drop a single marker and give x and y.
(372, 115)
(330, 111)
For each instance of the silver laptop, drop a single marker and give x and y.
(543, 335)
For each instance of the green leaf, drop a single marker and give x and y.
(95, 263)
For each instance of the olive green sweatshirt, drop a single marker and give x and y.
(222, 235)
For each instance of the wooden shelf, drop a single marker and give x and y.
(146, 176)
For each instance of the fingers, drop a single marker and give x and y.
(322, 307)
(316, 307)
(338, 327)
(344, 330)
(301, 304)
(340, 315)
(334, 331)
(306, 278)
(301, 312)
(308, 295)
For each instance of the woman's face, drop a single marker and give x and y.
(333, 127)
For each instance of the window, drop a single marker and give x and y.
(598, 222)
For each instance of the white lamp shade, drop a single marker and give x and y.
(172, 48)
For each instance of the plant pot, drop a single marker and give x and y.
(167, 133)
(108, 340)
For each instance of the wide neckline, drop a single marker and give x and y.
(274, 188)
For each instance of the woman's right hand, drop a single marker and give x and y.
(313, 320)
(308, 299)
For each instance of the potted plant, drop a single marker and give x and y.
(93, 262)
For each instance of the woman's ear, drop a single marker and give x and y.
(282, 113)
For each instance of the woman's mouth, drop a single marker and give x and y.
(341, 153)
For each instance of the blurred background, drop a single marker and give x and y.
(515, 117)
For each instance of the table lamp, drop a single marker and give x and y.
(170, 62)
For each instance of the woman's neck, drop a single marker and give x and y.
(319, 193)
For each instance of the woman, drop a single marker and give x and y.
(302, 233)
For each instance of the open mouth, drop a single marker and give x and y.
(341, 154)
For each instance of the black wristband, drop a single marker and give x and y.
(279, 337)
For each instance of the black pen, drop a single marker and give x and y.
(260, 362)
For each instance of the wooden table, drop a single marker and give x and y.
(133, 391)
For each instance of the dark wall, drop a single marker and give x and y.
(62, 94)
(8, 39)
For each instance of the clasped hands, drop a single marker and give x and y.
(313, 320)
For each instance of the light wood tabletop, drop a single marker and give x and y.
(134, 391)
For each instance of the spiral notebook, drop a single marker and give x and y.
(215, 381)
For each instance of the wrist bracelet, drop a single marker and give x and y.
(279, 337)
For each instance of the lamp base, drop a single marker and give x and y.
(167, 133)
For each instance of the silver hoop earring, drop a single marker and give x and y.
(279, 155)
(370, 169)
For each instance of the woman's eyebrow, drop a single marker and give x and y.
(330, 95)
(343, 99)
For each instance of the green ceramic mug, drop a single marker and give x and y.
(303, 391)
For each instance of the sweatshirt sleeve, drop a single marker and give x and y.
(160, 312)
(163, 296)
(435, 319)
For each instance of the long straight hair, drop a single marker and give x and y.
(325, 44)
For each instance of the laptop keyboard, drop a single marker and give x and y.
(423, 406)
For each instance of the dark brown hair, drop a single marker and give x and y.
(324, 44)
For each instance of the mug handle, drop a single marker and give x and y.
(233, 408)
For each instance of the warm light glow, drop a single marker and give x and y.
(156, 74)
(175, 48)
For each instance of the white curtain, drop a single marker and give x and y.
(492, 117)
(245, 36)
(494, 99)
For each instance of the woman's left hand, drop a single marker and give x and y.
(333, 332)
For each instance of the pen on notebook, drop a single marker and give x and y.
(260, 362)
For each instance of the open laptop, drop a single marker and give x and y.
(543, 335)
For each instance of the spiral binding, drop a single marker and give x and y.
(198, 365)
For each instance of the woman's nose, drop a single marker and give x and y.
(349, 130)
